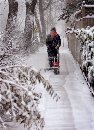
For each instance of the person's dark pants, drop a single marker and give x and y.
(51, 55)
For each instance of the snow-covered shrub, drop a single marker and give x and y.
(18, 98)
(86, 38)
(91, 75)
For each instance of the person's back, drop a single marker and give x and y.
(57, 41)
(49, 41)
(53, 42)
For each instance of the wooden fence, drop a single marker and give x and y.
(73, 43)
(84, 22)
(74, 46)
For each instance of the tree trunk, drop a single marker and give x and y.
(11, 24)
(43, 25)
(12, 15)
(38, 26)
(29, 22)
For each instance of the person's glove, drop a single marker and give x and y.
(57, 47)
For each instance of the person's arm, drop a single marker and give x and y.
(48, 39)
(46, 42)
(59, 42)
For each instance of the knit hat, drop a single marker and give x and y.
(53, 29)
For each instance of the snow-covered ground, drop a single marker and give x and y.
(75, 110)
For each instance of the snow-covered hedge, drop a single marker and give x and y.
(86, 38)
(18, 98)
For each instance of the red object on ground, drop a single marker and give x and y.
(55, 64)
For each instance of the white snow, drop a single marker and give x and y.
(89, 16)
(89, 6)
(77, 12)
(3, 14)
(21, 15)
(75, 110)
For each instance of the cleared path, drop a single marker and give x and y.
(75, 110)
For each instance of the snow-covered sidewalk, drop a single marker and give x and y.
(75, 110)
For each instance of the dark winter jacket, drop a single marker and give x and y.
(52, 43)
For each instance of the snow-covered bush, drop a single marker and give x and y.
(18, 98)
(91, 75)
(86, 38)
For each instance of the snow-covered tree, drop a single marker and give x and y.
(18, 98)
(29, 22)
(11, 24)
(43, 5)
(71, 7)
